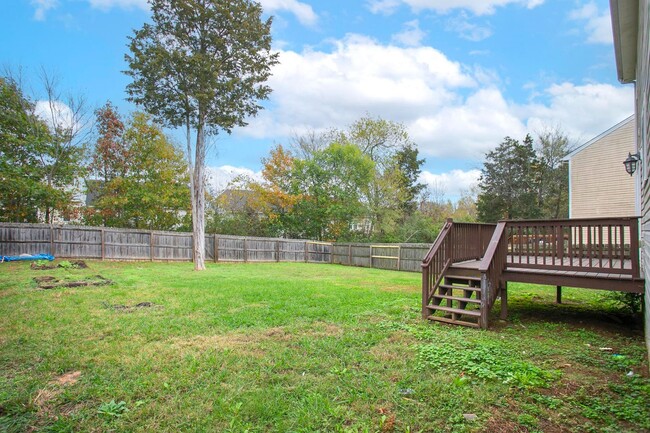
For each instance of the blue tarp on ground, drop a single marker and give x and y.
(26, 257)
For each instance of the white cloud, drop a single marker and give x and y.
(449, 109)
(55, 114)
(41, 7)
(385, 7)
(219, 177)
(596, 23)
(477, 7)
(302, 11)
(122, 4)
(452, 183)
(411, 36)
(582, 111)
(318, 90)
(468, 30)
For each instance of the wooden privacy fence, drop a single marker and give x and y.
(104, 243)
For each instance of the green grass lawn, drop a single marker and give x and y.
(305, 348)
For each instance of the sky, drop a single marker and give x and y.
(459, 74)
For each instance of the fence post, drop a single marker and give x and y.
(103, 244)
(216, 248)
(51, 240)
(331, 253)
(151, 245)
(306, 252)
(399, 257)
(277, 250)
(245, 251)
(349, 254)
(370, 255)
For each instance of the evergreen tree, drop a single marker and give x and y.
(508, 184)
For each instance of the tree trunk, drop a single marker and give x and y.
(198, 201)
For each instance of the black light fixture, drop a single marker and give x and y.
(631, 163)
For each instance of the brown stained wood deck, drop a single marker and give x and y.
(601, 277)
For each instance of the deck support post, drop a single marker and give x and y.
(558, 294)
(504, 301)
(485, 298)
(425, 291)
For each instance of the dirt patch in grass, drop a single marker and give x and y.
(130, 308)
(44, 399)
(49, 282)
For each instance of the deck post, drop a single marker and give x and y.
(504, 301)
(425, 291)
(485, 299)
(558, 294)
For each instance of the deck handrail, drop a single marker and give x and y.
(491, 268)
(435, 263)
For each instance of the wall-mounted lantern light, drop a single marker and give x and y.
(632, 162)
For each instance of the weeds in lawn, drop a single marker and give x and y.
(483, 361)
(112, 409)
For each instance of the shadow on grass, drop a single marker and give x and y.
(595, 314)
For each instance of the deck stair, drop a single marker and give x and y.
(457, 301)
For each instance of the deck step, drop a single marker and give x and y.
(458, 298)
(453, 322)
(475, 313)
(454, 287)
(458, 277)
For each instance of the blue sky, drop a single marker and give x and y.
(460, 74)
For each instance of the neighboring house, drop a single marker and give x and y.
(599, 186)
(631, 25)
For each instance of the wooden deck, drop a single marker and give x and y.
(470, 265)
(600, 279)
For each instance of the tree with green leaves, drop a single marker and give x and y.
(508, 183)
(43, 150)
(393, 189)
(23, 138)
(553, 192)
(201, 65)
(140, 177)
(330, 187)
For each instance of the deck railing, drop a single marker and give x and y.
(608, 245)
(456, 242)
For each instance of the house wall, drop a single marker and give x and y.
(643, 130)
(599, 185)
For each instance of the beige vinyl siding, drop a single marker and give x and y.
(600, 187)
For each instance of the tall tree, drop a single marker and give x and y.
(391, 191)
(23, 138)
(201, 65)
(142, 181)
(551, 147)
(508, 183)
(330, 187)
(53, 132)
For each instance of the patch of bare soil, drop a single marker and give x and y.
(49, 282)
(130, 308)
(43, 401)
